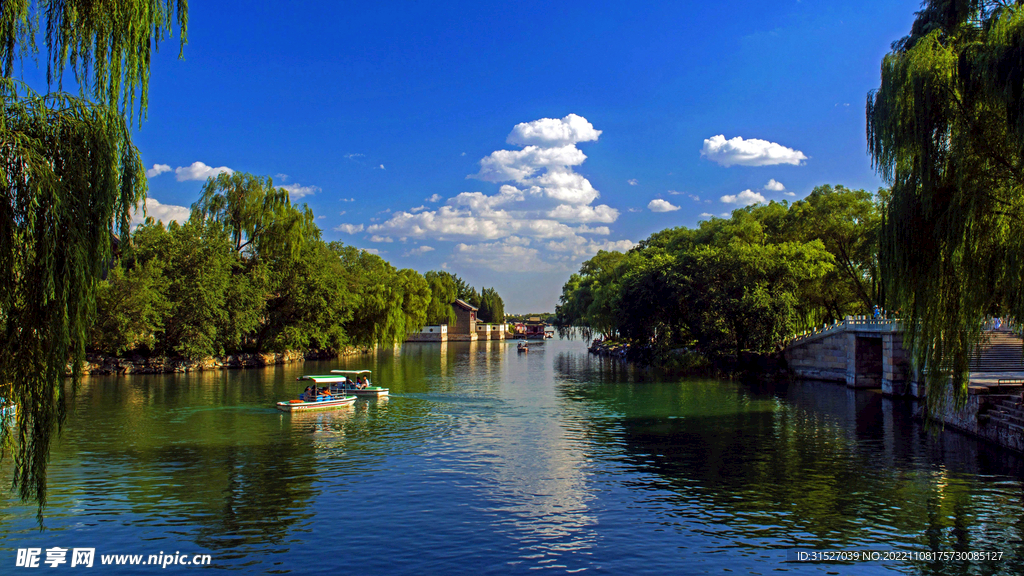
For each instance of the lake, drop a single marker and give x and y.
(487, 461)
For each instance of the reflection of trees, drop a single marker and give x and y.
(805, 465)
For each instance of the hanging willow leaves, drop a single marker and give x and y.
(69, 178)
(68, 170)
(946, 130)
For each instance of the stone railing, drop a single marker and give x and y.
(857, 322)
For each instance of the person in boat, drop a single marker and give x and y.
(361, 383)
(308, 392)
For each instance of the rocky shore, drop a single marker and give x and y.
(104, 365)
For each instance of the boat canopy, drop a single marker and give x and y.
(357, 372)
(323, 378)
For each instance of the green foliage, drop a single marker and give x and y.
(743, 283)
(492, 307)
(444, 290)
(131, 308)
(946, 130)
(69, 176)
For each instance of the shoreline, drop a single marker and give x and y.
(103, 365)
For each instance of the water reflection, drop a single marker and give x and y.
(485, 460)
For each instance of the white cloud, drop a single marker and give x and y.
(162, 212)
(745, 198)
(157, 170)
(418, 251)
(296, 191)
(502, 257)
(706, 215)
(349, 228)
(789, 193)
(635, 210)
(348, 199)
(659, 205)
(774, 186)
(568, 213)
(540, 198)
(582, 248)
(376, 238)
(281, 176)
(520, 165)
(372, 251)
(199, 171)
(549, 132)
(632, 181)
(321, 217)
(739, 152)
(382, 167)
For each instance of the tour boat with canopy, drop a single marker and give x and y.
(350, 387)
(319, 398)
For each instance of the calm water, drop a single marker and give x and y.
(487, 461)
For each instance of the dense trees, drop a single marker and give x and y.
(202, 288)
(743, 283)
(69, 178)
(946, 130)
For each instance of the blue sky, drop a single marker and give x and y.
(508, 142)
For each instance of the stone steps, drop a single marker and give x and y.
(1001, 351)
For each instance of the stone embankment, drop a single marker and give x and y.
(102, 365)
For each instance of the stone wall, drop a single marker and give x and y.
(101, 365)
(823, 358)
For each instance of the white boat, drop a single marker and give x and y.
(349, 387)
(523, 346)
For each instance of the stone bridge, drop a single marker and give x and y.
(860, 352)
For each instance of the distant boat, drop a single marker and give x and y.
(523, 346)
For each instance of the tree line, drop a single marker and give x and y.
(741, 283)
(249, 272)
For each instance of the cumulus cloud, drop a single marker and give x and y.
(373, 251)
(349, 228)
(706, 215)
(659, 205)
(376, 238)
(296, 191)
(745, 198)
(774, 186)
(541, 198)
(157, 170)
(548, 132)
(199, 171)
(789, 193)
(163, 212)
(632, 181)
(739, 152)
(501, 256)
(418, 251)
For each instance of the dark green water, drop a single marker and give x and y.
(488, 461)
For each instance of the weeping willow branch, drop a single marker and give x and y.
(946, 130)
(69, 179)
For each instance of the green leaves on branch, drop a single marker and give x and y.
(744, 283)
(946, 130)
(69, 173)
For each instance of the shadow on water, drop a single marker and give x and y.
(803, 465)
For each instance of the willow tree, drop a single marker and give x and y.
(946, 131)
(259, 215)
(69, 179)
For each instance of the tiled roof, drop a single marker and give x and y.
(465, 305)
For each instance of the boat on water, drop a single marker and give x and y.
(523, 346)
(317, 398)
(350, 387)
